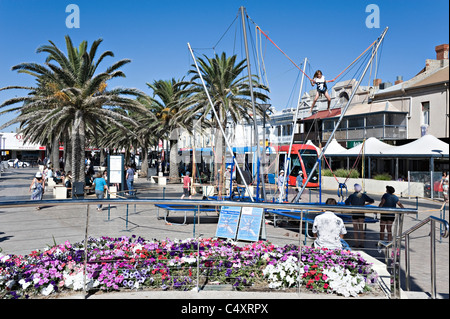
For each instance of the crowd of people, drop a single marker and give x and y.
(95, 181)
(333, 228)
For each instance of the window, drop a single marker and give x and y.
(375, 120)
(287, 130)
(356, 122)
(395, 119)
(328, 125)
(425, 113)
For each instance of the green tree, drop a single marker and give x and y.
(230, 93)
(170, 101)
(80, 102)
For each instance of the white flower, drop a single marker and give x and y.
(136, 247)
(47, 290)
(343, 282)
(283, 274)
(75, 281)
(24, 284)
(3, 258)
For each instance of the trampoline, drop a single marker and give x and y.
(182, 208)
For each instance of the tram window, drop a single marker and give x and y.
(295, 165)
(309, 158)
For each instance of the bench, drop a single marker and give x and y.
(181, 208)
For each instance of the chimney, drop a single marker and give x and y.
(441, 52)
(376, 82)
(399, 79)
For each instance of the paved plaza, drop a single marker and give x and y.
(24, 229)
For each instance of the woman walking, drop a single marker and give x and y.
(37, 188)
(386, 220)
(100, 187)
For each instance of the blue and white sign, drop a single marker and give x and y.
(228, 222)
(250, 224)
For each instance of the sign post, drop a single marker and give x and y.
(115, 173)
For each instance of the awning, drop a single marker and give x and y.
(324, 114)
(372, 147)
(426, 146)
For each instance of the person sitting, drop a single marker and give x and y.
(328, 229)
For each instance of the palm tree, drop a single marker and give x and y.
(141, 137)
(80, 101)
(170, 100)
(229, 91)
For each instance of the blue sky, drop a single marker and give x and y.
(154, 35)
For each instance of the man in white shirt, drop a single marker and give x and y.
(328, 229)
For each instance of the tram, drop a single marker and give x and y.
(273, 159)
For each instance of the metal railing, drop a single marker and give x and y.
(444, 231)
(432, 220)
(301, 208)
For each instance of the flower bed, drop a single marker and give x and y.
(134, 263)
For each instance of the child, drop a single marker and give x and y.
(186, 186)
(319, 79)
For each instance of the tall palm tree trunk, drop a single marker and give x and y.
(78, 147)
(173, 167)
(55, 153)
(67, 155)
(144, 165)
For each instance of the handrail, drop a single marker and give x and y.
(406, 234)
(195, 202)
(444, 234)
(300, 207)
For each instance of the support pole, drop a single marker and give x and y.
(255, 127)
(287, 162)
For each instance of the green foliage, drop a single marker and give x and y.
(383, 177)
(341, 173)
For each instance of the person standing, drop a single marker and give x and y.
(100, 187)
(37, 187)
(358, 199)
(130, 179)
(16, 163)
(186, 186)
(388, 200)
(444, 185)
(328, 229)
(280, 182)
(227, 177)
(299, 185)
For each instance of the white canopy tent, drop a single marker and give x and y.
(372, 146)
(334, 147)
(426, 146)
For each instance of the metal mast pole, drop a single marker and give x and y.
(218, 121)
(255, 127)
(287, 162)
(345, 110)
